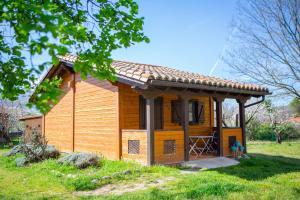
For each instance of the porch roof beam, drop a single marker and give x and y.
(158, 91)
(206, 87)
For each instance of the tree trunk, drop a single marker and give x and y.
(278, 138)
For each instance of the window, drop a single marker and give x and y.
(158, 113)
(169, 147)
(133, 146)
(196, 111)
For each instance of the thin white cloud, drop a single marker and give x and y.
(222, 52)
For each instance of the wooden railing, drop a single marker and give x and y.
(168, 146)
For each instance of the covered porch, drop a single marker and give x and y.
(163, 124)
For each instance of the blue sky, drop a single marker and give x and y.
(188, 35)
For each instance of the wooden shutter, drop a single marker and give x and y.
(158, 113)
(176, 111)
(142, 110)
(201, 117)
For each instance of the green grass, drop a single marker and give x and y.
(273, 172)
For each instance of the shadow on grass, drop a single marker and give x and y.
(262, 166)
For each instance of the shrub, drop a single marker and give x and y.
(37, 149)
(264, 131)
(34, 151)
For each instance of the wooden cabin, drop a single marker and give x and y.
(148, 115)
(32, 122)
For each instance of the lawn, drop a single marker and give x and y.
(273, 172)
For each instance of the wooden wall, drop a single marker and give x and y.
(85, 118)
(159, 138)
(230, 132)
(132, 134)
(30, 124)
(129, 107)
(59, 120)
(204, 128)
(129, 112)
(96, 117)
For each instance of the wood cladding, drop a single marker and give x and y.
(85, 118)
(129, 107)
(96, 117)
(59, 120)
(141, 136)
(230, 132)
(129, 112)
(160, 137)
(31, 124)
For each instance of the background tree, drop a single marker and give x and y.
(10, 113)
(92, 29)
(295, 106)
(266, 44)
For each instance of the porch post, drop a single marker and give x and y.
(150, 129)
(241, 103)
(185, 124)
(219, 124)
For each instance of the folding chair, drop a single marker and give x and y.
(212, 143)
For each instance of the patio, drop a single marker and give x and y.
(210, 163)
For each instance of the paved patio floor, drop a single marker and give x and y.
(211, 163)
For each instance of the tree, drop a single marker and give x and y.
(92, 29)
(10, 113)
(266, 44)
(277, 120)
(295, 106)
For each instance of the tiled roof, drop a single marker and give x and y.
(294, 119)
(145, 73)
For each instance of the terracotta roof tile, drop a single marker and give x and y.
(146, 72)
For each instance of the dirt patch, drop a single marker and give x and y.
(119, 189)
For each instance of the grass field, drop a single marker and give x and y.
(273, 172)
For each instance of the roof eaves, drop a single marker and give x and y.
(206, 87)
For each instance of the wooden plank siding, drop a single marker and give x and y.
(129, 112)
(59, 121)
(31, 124)
(159, 138)
(230, 132)
(96, 117)
(128, 107)
(86, 119)
(132, 134)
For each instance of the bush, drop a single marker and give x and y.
(34, 151)
(264, 131)
(37, 149)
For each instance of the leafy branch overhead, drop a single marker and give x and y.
(92, 29)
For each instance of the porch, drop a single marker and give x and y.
(152, 134)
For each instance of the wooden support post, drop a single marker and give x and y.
(241, 103)
(185, 124)
(150, 129)
(219, 125)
